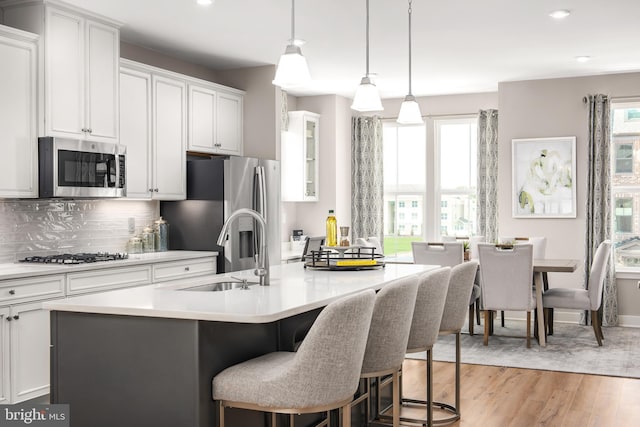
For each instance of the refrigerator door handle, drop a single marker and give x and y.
(259, 201)
(261, 193)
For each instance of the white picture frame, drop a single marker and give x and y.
(544, 177)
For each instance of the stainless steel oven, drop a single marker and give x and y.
(77, 168)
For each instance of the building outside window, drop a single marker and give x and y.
(625, 188)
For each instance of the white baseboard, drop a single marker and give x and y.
(629, 321)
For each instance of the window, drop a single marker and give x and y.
(625, 183)
(456, 143)
(404, 153)
(435, 179)
(624, 158)
(623, 209)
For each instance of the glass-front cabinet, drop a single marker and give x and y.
(300, 147)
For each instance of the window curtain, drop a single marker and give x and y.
(599, 200)
(487, 198)
(366, 178)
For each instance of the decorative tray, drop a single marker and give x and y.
(354, 258)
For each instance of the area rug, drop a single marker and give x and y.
(572, 348)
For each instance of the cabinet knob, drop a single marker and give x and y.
(186, 269)
(155, 189)
(83, 129)
(12, 292)
(9, 319)
(16, 317)
(89, 130)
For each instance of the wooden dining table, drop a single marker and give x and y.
(541, 267)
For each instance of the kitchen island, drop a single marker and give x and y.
(146, 356)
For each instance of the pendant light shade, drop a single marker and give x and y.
(367, 98)
(410, 110)
(292, 68)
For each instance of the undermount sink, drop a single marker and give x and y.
(219, 286)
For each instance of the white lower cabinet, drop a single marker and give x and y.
(24, 337)
(108, 279)
(185, 268)
(29, 355)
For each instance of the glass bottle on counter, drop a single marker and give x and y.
(332, 230)
(148, 240)
(161, 234)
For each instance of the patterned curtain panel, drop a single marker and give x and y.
(487, 204)
(366, 178)
(599, 200)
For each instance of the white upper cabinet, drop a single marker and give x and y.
(215, 120)
(81, 64)
(169, 101)
(18, 113)
(135, 131)
(299, 157)
(153, 128)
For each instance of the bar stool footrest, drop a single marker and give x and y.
(418, 402)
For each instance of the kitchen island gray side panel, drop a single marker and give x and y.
(125, 370)
(138, 371)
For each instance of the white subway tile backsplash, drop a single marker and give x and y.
(43, 227)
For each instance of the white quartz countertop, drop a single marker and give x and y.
(293, 290)
(26, 269)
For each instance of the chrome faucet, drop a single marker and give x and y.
(262, 261)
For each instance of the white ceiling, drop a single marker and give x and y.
(459, 46)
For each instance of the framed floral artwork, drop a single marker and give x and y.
(544, 177)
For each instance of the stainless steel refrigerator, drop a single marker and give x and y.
(216, 187)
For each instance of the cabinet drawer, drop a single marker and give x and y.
(188, 268)
(108, 278)
(31, 289)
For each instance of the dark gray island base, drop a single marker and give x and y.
(135, 371)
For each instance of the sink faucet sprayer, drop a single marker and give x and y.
(262, 261)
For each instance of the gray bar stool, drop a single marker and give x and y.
(461, 284)
(322, 375)
(388, 337)
(427, 315)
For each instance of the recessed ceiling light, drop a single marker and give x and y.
(583, 58)
(204, 2)
(560, 14)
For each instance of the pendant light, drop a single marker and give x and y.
(367, 98)
(410, 110)
(292, 68)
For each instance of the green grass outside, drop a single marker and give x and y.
(399, 244)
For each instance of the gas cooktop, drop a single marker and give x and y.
(79, 258)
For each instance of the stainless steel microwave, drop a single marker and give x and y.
(77, 168)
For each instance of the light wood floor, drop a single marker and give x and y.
(500, 397)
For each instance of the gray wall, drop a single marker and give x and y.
(334, 164)
(547, 108)
(261, 109)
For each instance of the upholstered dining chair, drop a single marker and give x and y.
(440, 253)
(387, 341)
(425, 325)
(583, 299)
(505, 279)
(445, 254)
(321, 376)
(474, 301)
(539, 252)
(461, 283)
